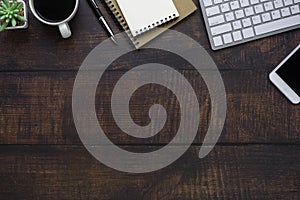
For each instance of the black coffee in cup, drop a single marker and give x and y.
(54, 10)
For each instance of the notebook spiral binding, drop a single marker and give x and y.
(117, 13)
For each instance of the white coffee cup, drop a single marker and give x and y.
(62, 25)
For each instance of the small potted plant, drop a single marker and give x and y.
(13, 14)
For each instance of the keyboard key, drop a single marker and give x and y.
(278, 3)
(295, 9)
(237, 24)
(234, 5)
(275, 14)
(254, 2)
(229, 16)
(248, 32)
(256, 19)
(249, 11)
(266, 17)
(212, 11)
(239, 14)
(285, 12)
(268, 6)
(246, 22)
(225, 7)
(207, 3)
(237, 35)
(216, 20)
(288, 2)
(244, 3)
(258, 8)
(218, 41)
(217, 1)
(277, 25)
(221, 29)
(227, 38)
(296, 1)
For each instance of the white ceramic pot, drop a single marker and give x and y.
(25, 25)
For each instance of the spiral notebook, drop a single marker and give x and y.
(184, 8)
(143, 15)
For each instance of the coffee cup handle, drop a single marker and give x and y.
(65, 30)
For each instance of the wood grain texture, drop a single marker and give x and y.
(36, 109)
(42, 157)
(229, 172)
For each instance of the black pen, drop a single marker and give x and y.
(101, 18)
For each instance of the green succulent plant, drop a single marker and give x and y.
(10, 13)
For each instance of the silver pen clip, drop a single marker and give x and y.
(96, 6)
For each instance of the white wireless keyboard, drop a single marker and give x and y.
(232, 22)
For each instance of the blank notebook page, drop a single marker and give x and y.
(143, 15)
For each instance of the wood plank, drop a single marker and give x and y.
(228, 172)
(36, 109)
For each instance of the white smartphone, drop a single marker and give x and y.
(286, 76)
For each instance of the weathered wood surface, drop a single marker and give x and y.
(229, 172)
(36, 109)
(42, 157)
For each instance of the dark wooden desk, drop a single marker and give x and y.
(42, 157)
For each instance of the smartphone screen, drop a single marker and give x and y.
(289, 72)
(286, 76)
